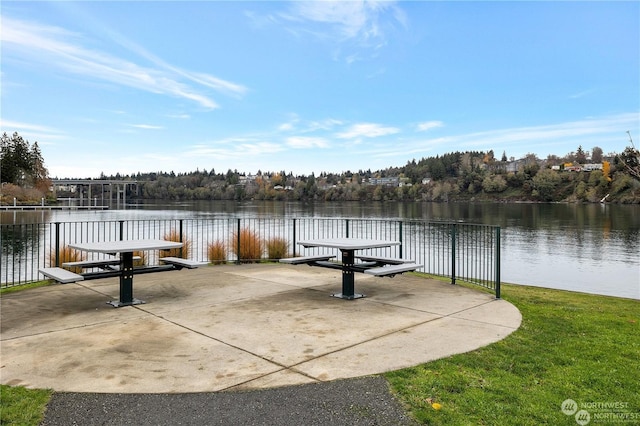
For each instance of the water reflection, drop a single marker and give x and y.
(18, 240)
(27, 216)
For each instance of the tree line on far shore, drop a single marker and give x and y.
(456, 176)
(22, 170)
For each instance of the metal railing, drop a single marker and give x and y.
(461, 251)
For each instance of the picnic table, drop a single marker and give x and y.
(372, 265)
(125, 249)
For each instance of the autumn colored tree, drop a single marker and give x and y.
(606, 170)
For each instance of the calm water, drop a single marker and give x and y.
(588, 248)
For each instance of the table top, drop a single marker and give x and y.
(126, 246)
(348, 243)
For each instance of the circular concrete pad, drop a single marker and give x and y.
(238, 327)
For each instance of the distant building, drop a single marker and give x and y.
(570, 167)
(591, 167)
(385, 181)
(243, 180)
(514, 166)
(405, 181)
(65, 188)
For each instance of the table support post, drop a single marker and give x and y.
(348, 286)
(126, 282)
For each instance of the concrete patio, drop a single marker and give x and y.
(238, 328)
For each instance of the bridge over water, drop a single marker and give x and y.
(104, 190)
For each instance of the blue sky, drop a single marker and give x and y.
(126, 87)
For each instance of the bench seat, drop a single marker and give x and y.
(328, 264)
(385, 260)
(98, 263)
(180, 262)
(61, 275)
(390, 271)
(306, 259)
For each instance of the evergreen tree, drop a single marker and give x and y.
(22, 164)
(629, 161)
(581, 157)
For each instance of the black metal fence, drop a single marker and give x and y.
(460, 251)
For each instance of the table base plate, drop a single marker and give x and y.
(351, 297)
(119, 304)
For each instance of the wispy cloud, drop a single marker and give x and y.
(296, 124)
(215, 83)
(582, 94)
(544, 134)
(326, 124)
(31, 132)
(362, 24)
(286, 126)
(368, 130)
(58, 47)
(147, 126)
(5, 124)
(290, 124)
(306, 142)
(179, 116)
(559, 138)
(234, 148)
(428, 125)
(350, 19)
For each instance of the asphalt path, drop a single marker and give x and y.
(360, 401)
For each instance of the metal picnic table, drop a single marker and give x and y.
(348, 247)
(126, 249)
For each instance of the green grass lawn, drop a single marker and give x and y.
(570, 346)
(21, 406)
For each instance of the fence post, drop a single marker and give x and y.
(180, 237)
(238, 243)
(453, 253)
(57, 247)
(294, 237)
(400, 237)
(121, 230)
(346, 225)
(497, 262)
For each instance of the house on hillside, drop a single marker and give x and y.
(514, 166)
(591, 167)
(384, 181)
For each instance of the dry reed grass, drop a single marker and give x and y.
(217, 252)
(143, 258)
(277, 248)
(67, 254)
(251, 246)
(184, 252)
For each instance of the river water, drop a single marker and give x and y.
(592, 248)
